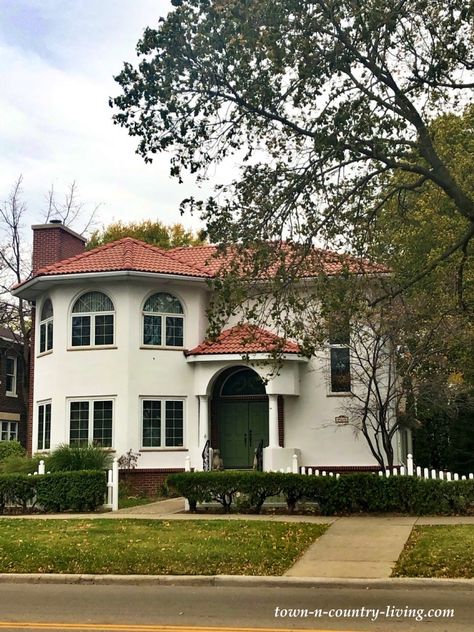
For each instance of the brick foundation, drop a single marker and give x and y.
(146, 481)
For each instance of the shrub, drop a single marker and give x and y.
(17, 490)
(17, 464)
(197, 487)
(10, 448)
(72, 459)
(353, 493)
(71, 491)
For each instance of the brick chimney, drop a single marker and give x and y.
(54, 242)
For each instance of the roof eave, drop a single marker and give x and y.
(30, 289)
(232, 357)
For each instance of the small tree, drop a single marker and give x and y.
(154, 233)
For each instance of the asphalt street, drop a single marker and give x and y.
(155, 608)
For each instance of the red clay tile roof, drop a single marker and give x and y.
(195, 261)
(124, 254)
(243, 339)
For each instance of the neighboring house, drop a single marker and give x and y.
(120, 359)
(12, 400)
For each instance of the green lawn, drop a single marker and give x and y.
(438, 551)
(153, 547)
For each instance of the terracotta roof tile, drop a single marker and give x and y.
(124, 254)
(243, 339)
(198, 261)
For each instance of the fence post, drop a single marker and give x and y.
(456, 477)
(41, 468)
(115, 481)
(418, 471)
(410, 464)
(295, 467)
(303, 469)
(425, 473)
(187, 464)
(471, 476)
(448, 476)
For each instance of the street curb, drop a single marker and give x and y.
(248, 581)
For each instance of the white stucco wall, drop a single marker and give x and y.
(127, 373)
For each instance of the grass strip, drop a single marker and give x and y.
(438, 551)
(153, 547)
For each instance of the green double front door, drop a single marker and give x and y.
(242, 425)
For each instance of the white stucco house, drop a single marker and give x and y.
(120, 358)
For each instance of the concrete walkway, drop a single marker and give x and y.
(363, 547)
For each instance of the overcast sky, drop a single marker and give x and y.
(57, 62)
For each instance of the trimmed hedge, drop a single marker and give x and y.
(59, 491)
(352, 493)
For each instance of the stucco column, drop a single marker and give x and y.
(273, 421)
(203, 435)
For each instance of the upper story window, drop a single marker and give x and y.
(339, 341)
(163, 321)
(46, 327)
(11, 376)
(92, 320)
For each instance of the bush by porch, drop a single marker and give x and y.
(353, 493)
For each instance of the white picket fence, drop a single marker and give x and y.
(409, 470)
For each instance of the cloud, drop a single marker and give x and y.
(56, 72)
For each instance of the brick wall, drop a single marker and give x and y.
(8, 403)
(146, 481)
(53, 243)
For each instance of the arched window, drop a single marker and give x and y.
(46, 327)
(244, 382)
(163, 321)
(92, 320)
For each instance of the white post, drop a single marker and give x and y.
(273, 441)
(463, 478)
(456, 477)
(303, 470)
(395, 472)
(310, 471)
(115, 480)
(380, 473)
(387, 472)
(410, 464)
(449, 476)
(294, 464)
(41, 468)
(203, 420)
(471, 476)
(418, 470)
(187, 463)
(441, 475)
(110, 484)
(338, 475)
(402, 470)
(425, 473)
(433, 473)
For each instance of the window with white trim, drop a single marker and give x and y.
(46, 327)
(92, 320)
(44, 426)
(8, 431)
(11, 371)
(90, 421)
(340, 361)
(163, 321)
(162, 423)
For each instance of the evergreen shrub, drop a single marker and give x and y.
(351, 493)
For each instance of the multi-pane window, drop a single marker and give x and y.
(46, 327)
(162, 423)
(44, 426)
(92, 320)
(8, 431)
(11, 375)
(339, 341)
(163, 321)
(90, 421)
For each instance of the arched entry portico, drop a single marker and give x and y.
(239, 416)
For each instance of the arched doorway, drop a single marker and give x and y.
(239, 419)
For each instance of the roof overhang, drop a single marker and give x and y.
(251, 357)
(30, 290)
